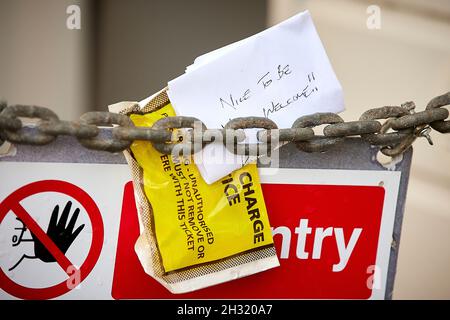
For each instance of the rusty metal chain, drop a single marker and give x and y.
(402, 126)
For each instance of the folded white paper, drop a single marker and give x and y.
(281, 73)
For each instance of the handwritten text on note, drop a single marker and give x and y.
(275, 74)
(281, 73)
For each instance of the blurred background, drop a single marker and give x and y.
(127, 50)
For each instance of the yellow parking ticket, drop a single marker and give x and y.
(197, 223)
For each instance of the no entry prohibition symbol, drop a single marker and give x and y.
(12, 203)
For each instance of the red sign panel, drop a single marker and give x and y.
(326, 237)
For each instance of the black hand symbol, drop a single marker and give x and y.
(57, 231)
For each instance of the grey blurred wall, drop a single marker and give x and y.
(125, 50)
(141, 45)
(42, 62)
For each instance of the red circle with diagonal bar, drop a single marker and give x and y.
(12, 203)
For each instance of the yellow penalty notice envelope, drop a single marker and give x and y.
(194, 234)
(195, 222)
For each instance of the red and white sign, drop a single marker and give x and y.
(13, 203)
(58, 229)
(332, 231)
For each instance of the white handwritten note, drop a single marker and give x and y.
(281, 73)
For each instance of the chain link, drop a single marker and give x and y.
(186, 147)
(248, 123)
(3, 122)
(96, 142)
(438, 102)
(13, 127)
(402, 126)
(318, 143)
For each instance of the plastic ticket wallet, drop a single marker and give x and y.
(194, 235)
